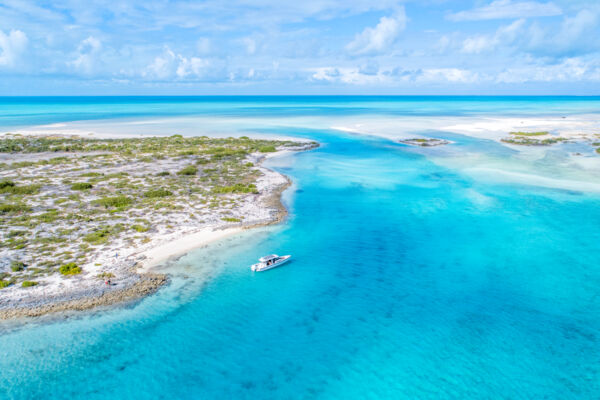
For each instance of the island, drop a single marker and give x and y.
(425, 142)
(541, 138)
(82, 219)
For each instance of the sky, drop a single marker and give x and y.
(212, 47)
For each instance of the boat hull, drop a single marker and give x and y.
(259, 267)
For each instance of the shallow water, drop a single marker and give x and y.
(410, 279)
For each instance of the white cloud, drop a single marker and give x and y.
(570, 70)
(353, 76)
(170, 65)
(504, 36)
(572, 28)
(379, 38)
(12, 47)
(193, 66)
(85, 60)
(250, 45)
(575, 35)
(162, 67)
(500, 9)
(444, 75)
(391, 76)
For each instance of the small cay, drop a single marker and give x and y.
(425, 142)
(78, 214)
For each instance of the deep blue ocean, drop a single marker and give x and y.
(410, 279)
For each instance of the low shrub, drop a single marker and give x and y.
(99, 236)
(237, 188)
(6, 208)
(154, 193)
(140, 228)
(529, 133)
(28, 283)
(4, 283)
(11, 188)
(6, 184)
(189, 170)
(70, 269)
(231, 219)
(91, 175)
(16, 266)
(81, 186)
(163, 173)
(49, 216)
(114, 202)
(267, 149)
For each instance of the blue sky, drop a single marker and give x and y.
(64, 47)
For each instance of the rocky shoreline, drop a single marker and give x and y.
(146, 285)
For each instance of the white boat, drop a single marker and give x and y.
(270, 261)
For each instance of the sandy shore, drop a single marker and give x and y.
(180, 246)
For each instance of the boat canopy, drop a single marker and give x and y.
(268, 258)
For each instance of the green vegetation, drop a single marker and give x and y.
(527, 141)
(140, 228)
(6, 208)
(5, 184)
(114, 202)
(105, 275)
(237, 188)
(163, 173)
(16, 266)
(231, 219)
(91, 175)
(10, 187)
(70, 269)
(155, 193)
(100, 236)
(541, 133)
(28, 283)
(49, 216)
(267, 149)
(81, 186)
(189, 170)
(4, 283)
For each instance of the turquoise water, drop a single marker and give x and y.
(409, 280)
(27, 111)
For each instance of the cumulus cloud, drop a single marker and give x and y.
(85, 60)
(501, 9)
(192, 66)
(358, 76)
(570, 70)
(444, 75)
(170, 65)
(379, 38)
(12, 46)
(353, 76)
(576, 35)
(162, 67)
(505, 35)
